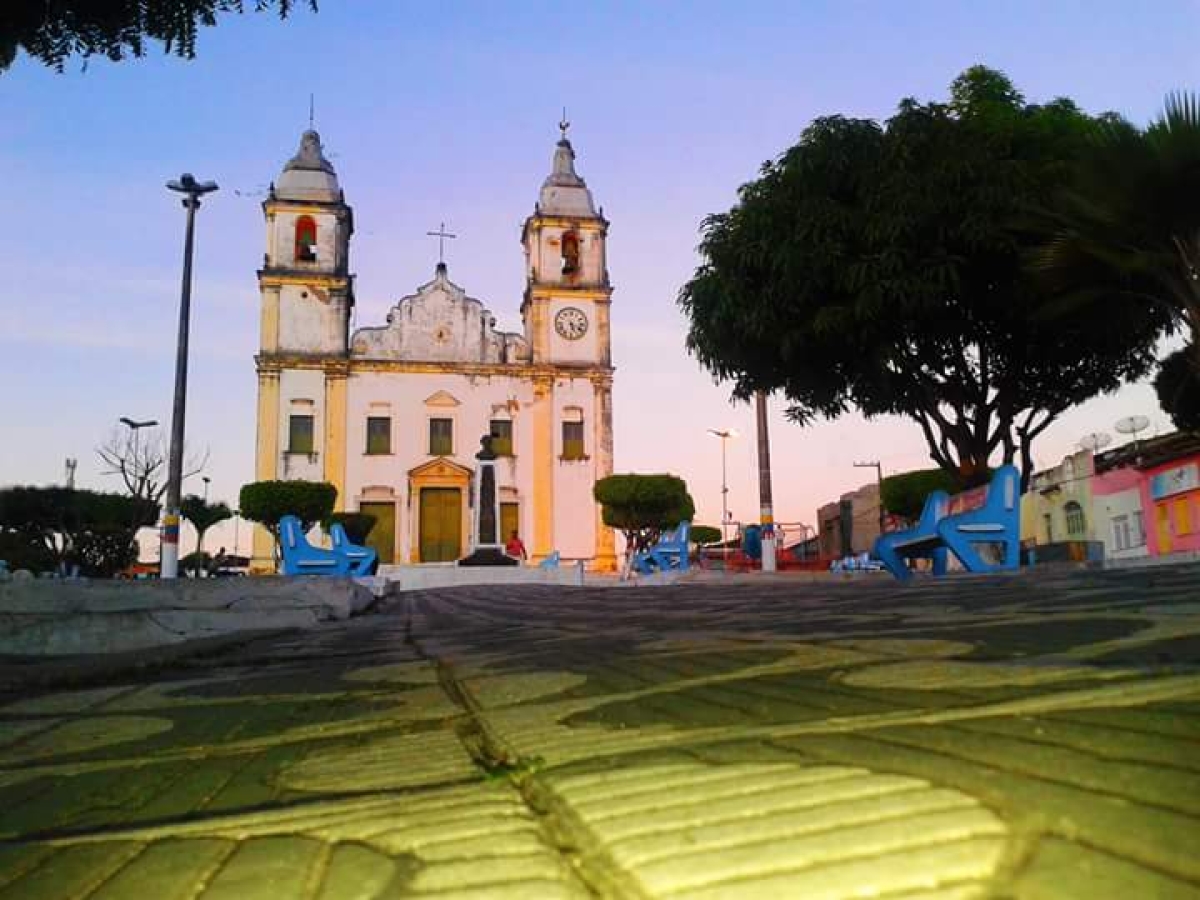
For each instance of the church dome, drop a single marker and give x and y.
(308, 175)
(564, 193)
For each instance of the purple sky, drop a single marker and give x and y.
(447, 112)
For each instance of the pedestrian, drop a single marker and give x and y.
(515, 546)
(216, 564)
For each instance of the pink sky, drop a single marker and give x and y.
(449, 115)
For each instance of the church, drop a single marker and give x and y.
(392, 415)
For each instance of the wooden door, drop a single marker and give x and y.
(1163, 520)
(441, 524)
(383, 532)
(509, 521)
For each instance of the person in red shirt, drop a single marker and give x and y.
(515, 547)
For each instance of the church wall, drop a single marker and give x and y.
(405, 396)
(584, 350)
(310, 320)
(301, 392)
(574, 506)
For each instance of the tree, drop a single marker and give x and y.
(1178, 389)
(705, 534)
(904, 494)
(643, 506)
(1129, 228)
(358, 525)
(886, 269)
(203, 516)
(54, 30)
(47, 527)
(141, 462)
(266, 502)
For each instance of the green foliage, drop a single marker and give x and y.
(643, 506)
(54, 30)
(203, 516)
(705, 534)
(1129, 226)
(886, 268)
(266, 502)
(358, 525)
(1178, 388)
(43, 527)
(904, 494)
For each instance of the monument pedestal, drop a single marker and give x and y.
(488, 550)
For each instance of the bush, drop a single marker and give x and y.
(643, 506)
(266, 502)
(358, 525)
(904, 494)
(705, 534)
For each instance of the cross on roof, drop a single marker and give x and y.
(564, 124)
(441, 234)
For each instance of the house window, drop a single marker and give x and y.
(300, 434)
(502, 438)
(1076, 526)
(379, 435)
(441, 437)
(306, 239)
(572, 440)
(1048, 521)
(1121, 537)
(570, 253)
(1139, 529)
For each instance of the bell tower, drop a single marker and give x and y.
(567, 291)
(307, 291)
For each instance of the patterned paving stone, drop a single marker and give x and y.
(1022, 737)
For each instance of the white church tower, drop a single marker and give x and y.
(307, 296)
(566, 314)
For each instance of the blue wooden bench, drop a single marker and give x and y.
(997, 521)
(362, 559)
(302, 558)
(551, 561)
(920, 541)
(671, 552)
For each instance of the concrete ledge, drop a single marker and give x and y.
(424, 577)
(39, 618)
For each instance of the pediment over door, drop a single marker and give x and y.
(440, 469)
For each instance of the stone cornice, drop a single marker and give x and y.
(342, 366)
(320, 207)
(277, 277)
(566, 292)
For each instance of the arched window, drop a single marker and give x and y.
(1076, 525)
(570, 253)
(306, 239)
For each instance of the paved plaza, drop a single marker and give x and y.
(1028, 737)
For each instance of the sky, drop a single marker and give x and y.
(448, 112)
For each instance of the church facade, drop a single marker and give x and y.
(392, 415)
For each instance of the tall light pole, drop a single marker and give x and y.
(724, 434)
(766, 509)
(192, 191)
(206, 480)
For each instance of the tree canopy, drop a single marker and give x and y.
(53, 31)
(885, 268)
(41, 528)
(266, 502)
(643, 506)
(203, 516)
(1128, 226)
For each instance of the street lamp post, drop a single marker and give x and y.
(724, 434)
(766, 508)
(206, 480)
(192, 191)
(135, 426)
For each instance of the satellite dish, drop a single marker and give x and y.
(1132, 425)
(1095, 441)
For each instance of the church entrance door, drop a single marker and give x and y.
(441, 524)
(383, 532)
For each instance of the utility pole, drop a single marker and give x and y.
(879, 480)
(765, 507)
(192, 191)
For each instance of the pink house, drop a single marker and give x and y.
(1171, 498)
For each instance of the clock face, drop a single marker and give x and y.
(571, 323)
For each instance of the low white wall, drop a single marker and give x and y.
(419, 578)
